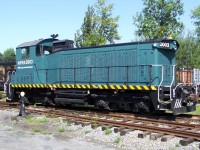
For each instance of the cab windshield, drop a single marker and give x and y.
(43, 50)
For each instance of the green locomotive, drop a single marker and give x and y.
(135, 76)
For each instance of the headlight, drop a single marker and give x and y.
(22, 94)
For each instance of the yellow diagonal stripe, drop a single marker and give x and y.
(146, 87)
(153, 88)
(105, 86)
(125, 87)
(63, 86)
(138, 87)
(78, 86)
(131, 87)
(94, 86)
(112, 87)
(84, 86)
(118, 87)
(100, 86)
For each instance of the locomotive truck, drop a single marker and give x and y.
(135, 76)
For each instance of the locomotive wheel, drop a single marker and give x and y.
(101, 104)
(142, 106)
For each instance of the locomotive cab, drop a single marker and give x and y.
(29, 58)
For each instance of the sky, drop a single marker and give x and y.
(28, 20)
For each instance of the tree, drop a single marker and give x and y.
(196, 17)
(88, 36)
(188, 53)
(10, 52)
(99, 27)
(159, 18)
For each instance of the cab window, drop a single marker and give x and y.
(25, 53)
(43, 50)
(47, 50)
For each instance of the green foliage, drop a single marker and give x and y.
(159, 19)
(188, 53)
(197, 112)
(45, 132)
(10, 52)
(28, 117)
(108, 131)
(196, 17)
(117, 140)
(36, 130)
(38, 120)
(61, 129)
(99, 27)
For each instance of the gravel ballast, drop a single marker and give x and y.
(56, 134)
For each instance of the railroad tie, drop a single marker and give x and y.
(103, 128)
(94, 126)
(186, 141)
(167, 137)
(124, 131)
(155, 136)
(118, 129)
(83, 124)
(78, 122)
(143, 134)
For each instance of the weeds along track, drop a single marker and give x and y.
(124, 122)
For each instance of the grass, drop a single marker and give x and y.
(45, 132)
(36, 130)
(3, 96)
(197, 112)
(61, 129)
(117, 140)
(39, 120)
(108, 131)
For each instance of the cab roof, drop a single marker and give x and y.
(36, 42)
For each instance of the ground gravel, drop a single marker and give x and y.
(57, 134)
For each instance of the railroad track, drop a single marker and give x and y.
(124, 122)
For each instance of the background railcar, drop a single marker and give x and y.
(136, 76)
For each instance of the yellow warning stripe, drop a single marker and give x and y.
(87, 86)
(146, 87)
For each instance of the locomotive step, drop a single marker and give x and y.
(73, 95)
(69, 100)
